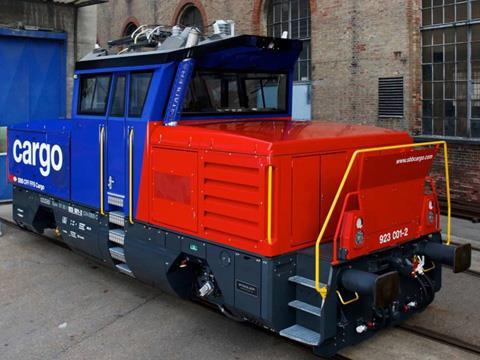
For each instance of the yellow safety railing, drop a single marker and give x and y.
(130, 176)
(323, 290)
(101, 141)
(269, 205)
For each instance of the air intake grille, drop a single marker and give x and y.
(390, 97)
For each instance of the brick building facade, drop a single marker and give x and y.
(356, 49)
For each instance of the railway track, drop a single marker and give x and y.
(441, 338)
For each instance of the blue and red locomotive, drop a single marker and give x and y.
(181, 167)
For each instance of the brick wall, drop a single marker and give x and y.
(464, 161)
(353, 44)
(113, 16)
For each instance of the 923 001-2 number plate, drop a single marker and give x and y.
(393, 235)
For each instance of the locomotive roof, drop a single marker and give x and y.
(259, 52)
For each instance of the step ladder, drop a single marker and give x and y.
(308, 315)
(116, 241)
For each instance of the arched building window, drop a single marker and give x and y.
(292, 16)
(191, 16)
(129, 29)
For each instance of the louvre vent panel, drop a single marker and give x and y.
(391, 97)
(232, 199)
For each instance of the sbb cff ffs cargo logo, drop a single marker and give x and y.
(32, 153)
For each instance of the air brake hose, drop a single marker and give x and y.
(430, 285)
(429, 295)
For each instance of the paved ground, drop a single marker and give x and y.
(55, 304)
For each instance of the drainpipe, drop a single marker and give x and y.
(75, 34)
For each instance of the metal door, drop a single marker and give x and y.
(116, 145)
(32, 83)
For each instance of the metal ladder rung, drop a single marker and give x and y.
(117, 218)
(301, 334)
(117, 236)
(117, 253)
(308, 308)
(123, 268)
(304, 281)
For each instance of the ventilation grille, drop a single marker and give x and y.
(390, 97)
(231, 201)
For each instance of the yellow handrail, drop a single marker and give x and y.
(102, 140)
(322, 290)
(130, 177)
(269, 205)
(347, 302)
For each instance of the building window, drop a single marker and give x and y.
(130, 29)
(292, 16)
(451, 68)
(390, 97)
(191, 16)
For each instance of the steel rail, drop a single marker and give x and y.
(323, 290)
(441, 338)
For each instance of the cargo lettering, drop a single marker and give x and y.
(49, 157)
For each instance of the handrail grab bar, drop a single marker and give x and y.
(130, 176)
(323, 290)
(101, 143)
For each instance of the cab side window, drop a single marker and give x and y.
(139, 84)
(118, 101)
(93, 96)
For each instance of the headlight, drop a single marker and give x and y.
(431, 217)
(359, 223)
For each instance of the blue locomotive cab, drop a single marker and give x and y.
(110, 110)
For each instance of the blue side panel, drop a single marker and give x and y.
(85, 180)
(39, 157)
(5, 187)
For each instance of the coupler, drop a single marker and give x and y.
(458, 257)
(384, 288)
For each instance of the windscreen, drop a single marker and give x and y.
(228, 92)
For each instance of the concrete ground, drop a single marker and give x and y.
(55, 304)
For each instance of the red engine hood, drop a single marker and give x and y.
(279, 137)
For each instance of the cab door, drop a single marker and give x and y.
(116, 148)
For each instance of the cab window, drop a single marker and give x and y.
(229, 92)
(139, 84)
(93, 96)
(118, 101)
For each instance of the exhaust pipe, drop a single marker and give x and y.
(383, 288)
(458, 257)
